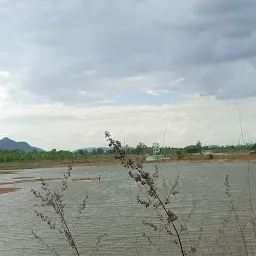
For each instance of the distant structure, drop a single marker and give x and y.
(156, 148)
(156, 154)
(207, 152)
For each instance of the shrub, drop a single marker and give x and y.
(210, 156)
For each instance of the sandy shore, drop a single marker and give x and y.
(53, 164)
(39, 180)
(8, 172)
(22, 180)
(235, 158)
(7, 190)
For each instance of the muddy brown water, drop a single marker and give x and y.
(113, 213)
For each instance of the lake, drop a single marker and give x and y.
(113, 214)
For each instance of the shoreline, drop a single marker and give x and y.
(7, 190)
(21, 180)
(16, 166)
(18, 180)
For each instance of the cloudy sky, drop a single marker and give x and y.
(69, 70)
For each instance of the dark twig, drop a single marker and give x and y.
(228, 192)
(54, 199)
(44, 243)
(145, 179)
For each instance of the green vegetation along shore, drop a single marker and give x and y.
(20, 159)
(109, 160)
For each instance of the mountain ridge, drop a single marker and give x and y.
(9, 144)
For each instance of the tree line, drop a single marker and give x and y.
(194, 149)
(140, 149)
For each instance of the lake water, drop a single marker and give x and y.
(113, 213)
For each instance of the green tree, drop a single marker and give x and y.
(94, 152)
(86, 153)
(253, 146)
(2, 158)
(199, 146)
(80, 152)
(179, 154)
(100, 151)
(192, 149)
(140, 149)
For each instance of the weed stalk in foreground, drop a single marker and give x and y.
(137, 172)
(53, 199)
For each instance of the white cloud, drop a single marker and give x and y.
(199, 118)
(157, 92)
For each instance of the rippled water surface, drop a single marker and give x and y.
(113, 214)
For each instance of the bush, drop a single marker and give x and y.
(210, 156)
(179, 154)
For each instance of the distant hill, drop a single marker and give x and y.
(104, 148)
(93, 148)
(8, 144)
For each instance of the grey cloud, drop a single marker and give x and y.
(65, 48)
(220, 7)
(219, 31)
(232, 27)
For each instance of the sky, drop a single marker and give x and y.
(70, 70)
